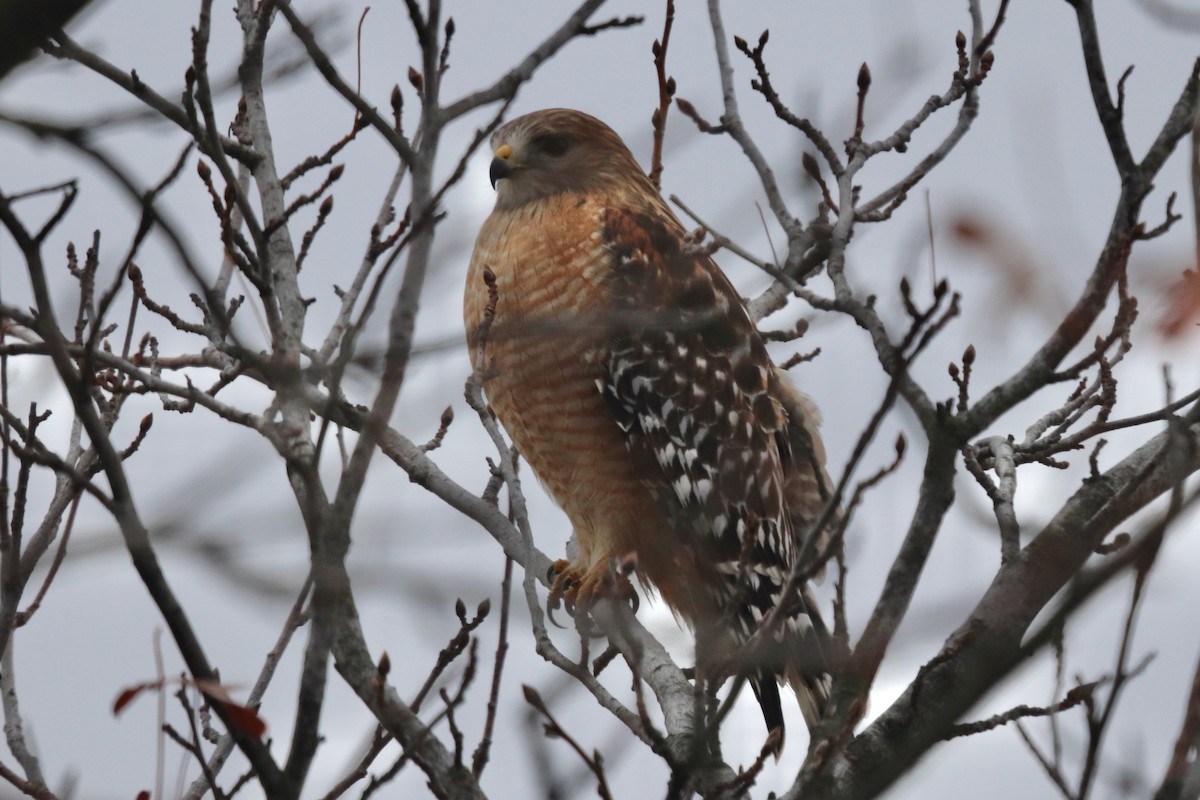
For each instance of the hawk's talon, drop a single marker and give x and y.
(553, 602)
(576, 589)
(555, 569)
(561, 577)
(550, 609)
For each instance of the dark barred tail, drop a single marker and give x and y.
(804, 660)
(811, 655)
(813, 693)
(766, 690)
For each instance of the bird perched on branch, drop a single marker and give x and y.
(631, 378)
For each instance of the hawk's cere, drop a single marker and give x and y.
(632, 380)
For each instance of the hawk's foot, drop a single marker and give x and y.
(577, 588)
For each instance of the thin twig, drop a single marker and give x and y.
(666, 90)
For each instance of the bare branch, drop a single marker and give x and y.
(666, 90)
(732, 121)
(324, 65)
(506, 87)
(1074, 697)
(1111, 116)
(65, 47)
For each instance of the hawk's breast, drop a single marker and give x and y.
(551, 318)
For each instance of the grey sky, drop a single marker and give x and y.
(1035, 165)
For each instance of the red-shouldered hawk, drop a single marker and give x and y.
(630, 377)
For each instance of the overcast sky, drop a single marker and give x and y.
(1034, 170)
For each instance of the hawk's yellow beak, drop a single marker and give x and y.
(501, 164)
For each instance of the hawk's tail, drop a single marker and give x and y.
(812, 690)
(804, 663)
(810, 660)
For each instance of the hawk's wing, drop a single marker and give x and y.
(689, 381)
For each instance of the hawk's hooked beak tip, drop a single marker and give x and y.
(501, 164)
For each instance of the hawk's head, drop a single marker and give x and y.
(558, 150)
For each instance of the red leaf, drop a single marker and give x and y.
(1183, 306)
(129, 693)
(246, 720)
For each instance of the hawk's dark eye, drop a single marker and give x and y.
(552, 145)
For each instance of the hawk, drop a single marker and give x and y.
(629, 375)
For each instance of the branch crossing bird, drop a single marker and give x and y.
(629, 375)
